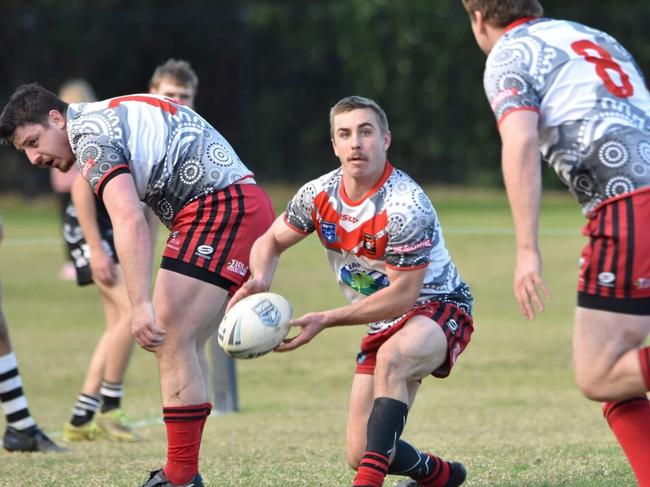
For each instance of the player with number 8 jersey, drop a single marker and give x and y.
(576, 95)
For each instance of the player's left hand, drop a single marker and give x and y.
(311, 324)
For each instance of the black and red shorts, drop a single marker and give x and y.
(615, 264)
(212, 236)
(456, 323)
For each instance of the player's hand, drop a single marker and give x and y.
(102, 268)
(529, 285)
(310, 325)
(143, 327)
(252, 286)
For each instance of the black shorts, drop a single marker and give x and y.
(77, 246)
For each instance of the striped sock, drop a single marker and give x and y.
(14, 402)
(425, 468)
(372, 470)
(111, 393)
(84, 409)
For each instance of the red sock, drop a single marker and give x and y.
(644, 358)
(439, 474)
(184, 427)
(630, 422)
(372, 470)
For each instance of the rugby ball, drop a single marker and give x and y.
(255, 325)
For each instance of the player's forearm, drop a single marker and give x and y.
(389, 302)
(264, 258)
(132, 241)
(523, 181)
(84, 202)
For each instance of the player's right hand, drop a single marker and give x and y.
(529, 284)
(102, 268)
(252, 286)
(144, 329)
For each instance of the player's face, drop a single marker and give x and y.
(359, 143)
(183, 93)
(46, 146)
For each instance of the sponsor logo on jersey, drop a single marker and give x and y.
(363, 281)
(361, 358)
(204, 250)
(423, 244)
(268, 313)
(501, 96)
(172, 241)
(328, 231)
(237, 266)
(606, 279)
(642, 283)
(349, 218)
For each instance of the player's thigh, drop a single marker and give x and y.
(361, 400)
(187, 308)
(601, 337)
(416, 350)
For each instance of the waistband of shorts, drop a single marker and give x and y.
(600, 206)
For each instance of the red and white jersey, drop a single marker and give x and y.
(394, 226)
(173, 154)
(592, 100)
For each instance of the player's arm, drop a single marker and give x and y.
(101, 264)
(393, 300)
(132, 241)
(264, 257)
(521, 165)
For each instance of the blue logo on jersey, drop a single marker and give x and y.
(328, 231)
(362, 281)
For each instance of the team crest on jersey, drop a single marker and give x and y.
(328, 231)
(369, 243)
(172, 240)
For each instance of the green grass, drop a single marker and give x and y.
(509, 410)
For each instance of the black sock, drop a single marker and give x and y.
(385, 424)
(410, 461)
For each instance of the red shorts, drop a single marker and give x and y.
(454, 321)
(615, 264)
(211, 237)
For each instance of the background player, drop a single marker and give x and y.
(22, 433)
(147, 148)
(384, 242)
(577, 95)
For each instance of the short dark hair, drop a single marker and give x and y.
(354, 102)
(177, 69)
(30, 103)
(500, 13)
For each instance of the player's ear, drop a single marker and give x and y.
(56, 118)
(387, 140)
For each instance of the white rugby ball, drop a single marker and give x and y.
(255, 325)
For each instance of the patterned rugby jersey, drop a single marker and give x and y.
(394, 226)
(173, 154)
(592, 100)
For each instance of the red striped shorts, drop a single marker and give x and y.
(211, 237)
(615, 263)
(454, 321)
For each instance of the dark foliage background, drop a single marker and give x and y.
(270, 70)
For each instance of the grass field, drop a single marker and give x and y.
(509, 410)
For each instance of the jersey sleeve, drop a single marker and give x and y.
(99, 161)
(508, 85)
(411, 232)
(298, 214)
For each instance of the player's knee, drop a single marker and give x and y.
(591, 385)
(390, 365)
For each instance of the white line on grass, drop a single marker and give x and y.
(449, 230)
